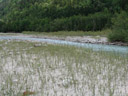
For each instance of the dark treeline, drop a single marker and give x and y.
(57, 15)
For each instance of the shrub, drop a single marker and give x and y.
(91, 22)
(85, 23)
(120, 28)
(2, 26)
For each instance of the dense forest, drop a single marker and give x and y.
(68, 15)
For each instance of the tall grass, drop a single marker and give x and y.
(60, 70)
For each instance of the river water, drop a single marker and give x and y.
(95, 47)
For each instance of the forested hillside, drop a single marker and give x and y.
(57, 15)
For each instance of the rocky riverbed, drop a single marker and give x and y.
(85, 39)
(81, 39)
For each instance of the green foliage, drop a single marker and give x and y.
(91, 22)
(120, 28)
(2, 25)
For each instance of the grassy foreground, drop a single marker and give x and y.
(58, 70)
(70, 33)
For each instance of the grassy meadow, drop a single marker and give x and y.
(71, 33)
(41, 69)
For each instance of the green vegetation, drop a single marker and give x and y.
(70, 33)
(61, 15)
(120, 28)
(60, 70)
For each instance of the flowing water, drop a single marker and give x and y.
(95, 47)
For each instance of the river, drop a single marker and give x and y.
(95, 47)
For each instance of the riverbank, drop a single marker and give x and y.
(94, 39)
(84, 39)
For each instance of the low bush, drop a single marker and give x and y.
(120, 28)
(2, 26)
(91, 22)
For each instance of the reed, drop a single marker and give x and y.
(60, 70)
